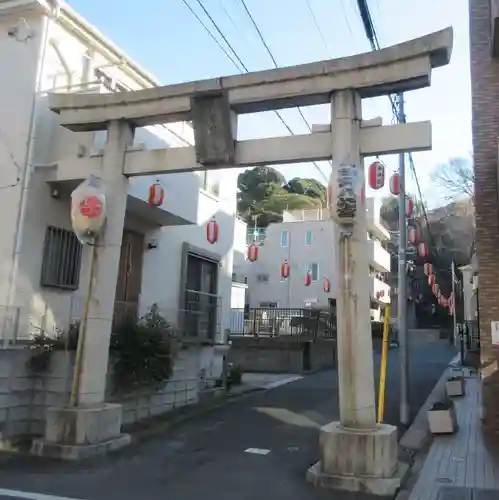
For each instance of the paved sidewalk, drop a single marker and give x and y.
(263, 381)
(460, 466)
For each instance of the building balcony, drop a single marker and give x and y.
(380, 291)
(373, 221)
(379, 258)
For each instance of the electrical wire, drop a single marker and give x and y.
(240, 63)
(370, 32)
(276, 65)
(212, 36)
(317, 25)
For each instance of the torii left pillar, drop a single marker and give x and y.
(93, 427)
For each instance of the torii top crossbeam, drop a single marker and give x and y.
(399, 68)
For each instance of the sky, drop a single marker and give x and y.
(165, 38)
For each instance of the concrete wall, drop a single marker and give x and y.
(485, 127)
(24, 397)
(280, 355)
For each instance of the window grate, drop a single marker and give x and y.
(61, 259)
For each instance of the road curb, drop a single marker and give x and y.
(417, 439)
(418, 435)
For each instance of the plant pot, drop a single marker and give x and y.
(442, 420)
(454, 386)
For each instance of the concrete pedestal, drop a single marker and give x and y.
(81, 432)
(355, 460)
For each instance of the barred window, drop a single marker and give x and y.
(61, 259)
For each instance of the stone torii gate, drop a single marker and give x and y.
(357, 453)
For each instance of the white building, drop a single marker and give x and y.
(45, 47)
(305, 239)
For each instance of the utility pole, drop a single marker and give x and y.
(402, 285)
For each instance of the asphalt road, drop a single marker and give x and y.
(257, 447)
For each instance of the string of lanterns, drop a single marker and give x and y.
(437, 292)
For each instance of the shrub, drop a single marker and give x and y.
(143, 353)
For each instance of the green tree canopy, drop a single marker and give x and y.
(265, 194)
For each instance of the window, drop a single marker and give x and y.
(285, 239)
(61, 259)
(308, 238)
(314, 270)
(262, 278)
(268, 305)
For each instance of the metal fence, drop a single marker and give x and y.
(272, 322)
(471, 335)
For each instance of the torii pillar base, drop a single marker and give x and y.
(359, 461)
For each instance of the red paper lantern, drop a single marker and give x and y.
(423, 250)
(412, 236)
(308, 278)
(327, 285)
(395, 184)
(376, 175)
(285, 269)
(212, 231)
(431, 280)
(409, 207)
(428, 268)
(156, 194)
(434, 289)
(253, 252)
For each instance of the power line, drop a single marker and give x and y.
(370, 32)
(212, 36)
(276, 65)
(241, 63)
(221, 34)
(317, 25)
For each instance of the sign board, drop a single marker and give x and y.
(494, 332)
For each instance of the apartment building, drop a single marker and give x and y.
(484, 64)
(305, 239)
(45, 46)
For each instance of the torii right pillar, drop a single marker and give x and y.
(357, 453)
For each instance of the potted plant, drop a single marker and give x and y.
(442, 417)
(454, 386)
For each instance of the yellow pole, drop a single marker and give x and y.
(75, 389)
(382, 374)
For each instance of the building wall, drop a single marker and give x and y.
(264, 275)
(485, 127)
(20, 63)
(292, 292)
(190, 195)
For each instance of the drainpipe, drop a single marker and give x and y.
(55, 45)
(26, 174)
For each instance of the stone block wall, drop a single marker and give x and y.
(24, 397)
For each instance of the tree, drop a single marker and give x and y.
(389, 211)
(457, 176)
(264, 194)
